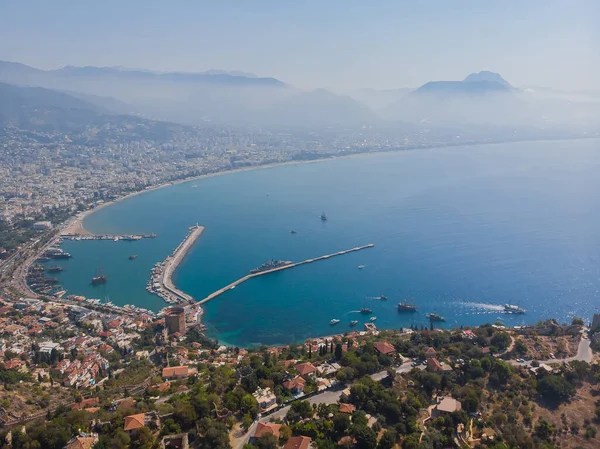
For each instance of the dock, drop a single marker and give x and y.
(285, 267)
(160, 282)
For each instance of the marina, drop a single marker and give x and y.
(160, 282)
(115, 238)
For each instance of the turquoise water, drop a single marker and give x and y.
(460, 230)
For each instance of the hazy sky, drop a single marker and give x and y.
(324, 43)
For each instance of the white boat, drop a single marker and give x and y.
(373, 318)
(360, 267)
(334, 321)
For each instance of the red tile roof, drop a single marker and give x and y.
(384, 347)
(305, 368)
(175, 371)
(297, 443)
(133, 422)
(434, 365)
(267, 428)
(347, 408)
(297, 383)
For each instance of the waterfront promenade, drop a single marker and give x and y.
(285, 267)
(171, 263)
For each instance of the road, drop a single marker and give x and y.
(327, 397)
(584, 354)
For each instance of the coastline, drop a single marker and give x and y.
(75, 225)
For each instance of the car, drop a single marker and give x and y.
(413, 364)
(520, 360)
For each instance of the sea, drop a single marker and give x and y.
(460, 231)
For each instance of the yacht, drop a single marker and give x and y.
(511, 308)
(435, 317)
(334, 321)
(360, 267)
(323, 217)
(373, 318)
(366, 310)
(353, 323)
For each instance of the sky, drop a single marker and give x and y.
(309, 44)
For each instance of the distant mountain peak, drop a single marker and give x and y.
(486, 75)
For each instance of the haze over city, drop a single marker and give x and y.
(337, 44)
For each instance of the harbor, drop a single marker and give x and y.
(284, 266)
(160, 282)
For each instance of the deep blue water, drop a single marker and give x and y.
(461, 230)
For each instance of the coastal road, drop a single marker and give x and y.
(327, 397)
(584, 354)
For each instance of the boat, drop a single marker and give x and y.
(366, 310)
(383, 297)
(133, 256)
(406, 306)
(292, 232)
(360, 267)
(323, 217)
(353, 323)
(373, 318)
(334, 321)
(55, 269)
(100, 278)
(435, 317)
(511, 308)
(116, 239)
(56, 253)
(270, 265)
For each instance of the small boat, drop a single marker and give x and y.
(435, 317)
(360, 267)
(510, 308)
(383, 297)
(133, 256)
(232, 287)
(323, 217)
(366, 310)
(373, 318)
(334, 321)
(407, 306)
(353, 323)
(292, 232)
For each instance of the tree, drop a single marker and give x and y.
(267, 441)
(544, 429)
(338, 351)
(366, 438)
(388, 440)
(501, 340)
(247, 422)
(249, 404)
(300, 410)
(142, 439)
(555, 389)
(577, 321)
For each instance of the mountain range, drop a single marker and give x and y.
(240, 98)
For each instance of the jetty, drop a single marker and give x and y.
(284, 267)
(160, 282)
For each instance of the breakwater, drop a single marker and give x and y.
(285, 267)
(160, 282)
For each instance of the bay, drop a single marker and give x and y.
(461, 230)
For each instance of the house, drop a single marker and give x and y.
(329, 369)
(347, 408)
(125, 404)
(430, 353)
(287, 363)
(265, 428)
(447, 404)
(295, 385)
(298, 443)
(133, 422)
(306, 369)
(82, 441)
(176, 372)
(347, 441)
(85, 403)
(385, 348)
(179, 441)
(434, 365)
(265, 398)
